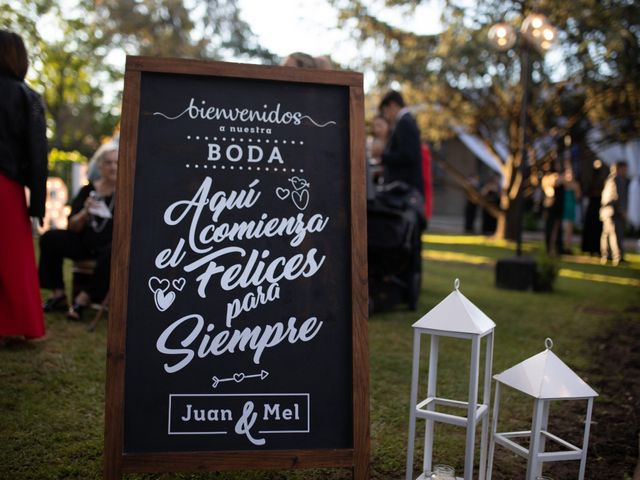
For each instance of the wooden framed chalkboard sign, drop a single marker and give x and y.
(238, 318)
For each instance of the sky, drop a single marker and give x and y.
(310, 26)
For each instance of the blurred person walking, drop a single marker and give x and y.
(23, 163)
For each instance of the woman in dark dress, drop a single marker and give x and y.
(88, 237)
(23, 163)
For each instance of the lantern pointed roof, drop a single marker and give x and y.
(456, 313)
(545, 376)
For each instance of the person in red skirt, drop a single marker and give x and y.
(23, 163)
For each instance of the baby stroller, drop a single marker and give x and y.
(395, 219)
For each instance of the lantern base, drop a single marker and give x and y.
(516, 273)
(571, 452)
(427, 409)
(422, 477)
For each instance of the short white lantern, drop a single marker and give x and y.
(545, 378)
(457, 317)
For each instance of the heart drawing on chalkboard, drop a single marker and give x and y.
(156, 284)
(179, 283)
(298, 183)
(161, 294)
(300, 199)
(282, 193)
(164, 301)
(238, 377)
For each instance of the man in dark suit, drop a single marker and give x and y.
(402, 156)
(402, 161)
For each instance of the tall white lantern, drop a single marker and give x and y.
(545, 378)
(457, 317)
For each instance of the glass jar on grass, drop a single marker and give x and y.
(441, 472)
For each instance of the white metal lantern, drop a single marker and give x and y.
(457, 317)
(545, 378)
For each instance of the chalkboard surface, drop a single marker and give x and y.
(238, 308)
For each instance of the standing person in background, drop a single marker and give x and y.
(613, 213)
(23, 163)
(592, 226)
(379, 139)
(402, 162)
(304, 60)
(402, 157)
(553, 203)
(428, 185)
(571, 196)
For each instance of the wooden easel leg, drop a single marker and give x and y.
(94, 323)
(112, 469)
(361, 470)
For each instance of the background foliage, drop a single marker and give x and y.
(457, 79)
(77, 49)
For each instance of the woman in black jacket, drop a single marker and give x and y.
(23, 163)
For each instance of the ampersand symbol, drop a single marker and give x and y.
(246, 422)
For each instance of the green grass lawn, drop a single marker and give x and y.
(52, 393)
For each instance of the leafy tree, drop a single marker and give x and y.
(72, 56)
(209, 29)
(458, 79)
(69, 71)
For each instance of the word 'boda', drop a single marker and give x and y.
(235, 153)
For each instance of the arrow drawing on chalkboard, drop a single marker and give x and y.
(298, 183)
(238, 377)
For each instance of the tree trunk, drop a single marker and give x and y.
(509, 220)
(500, 226)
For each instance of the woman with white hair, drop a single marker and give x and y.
(88, 237)
(93, 170)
